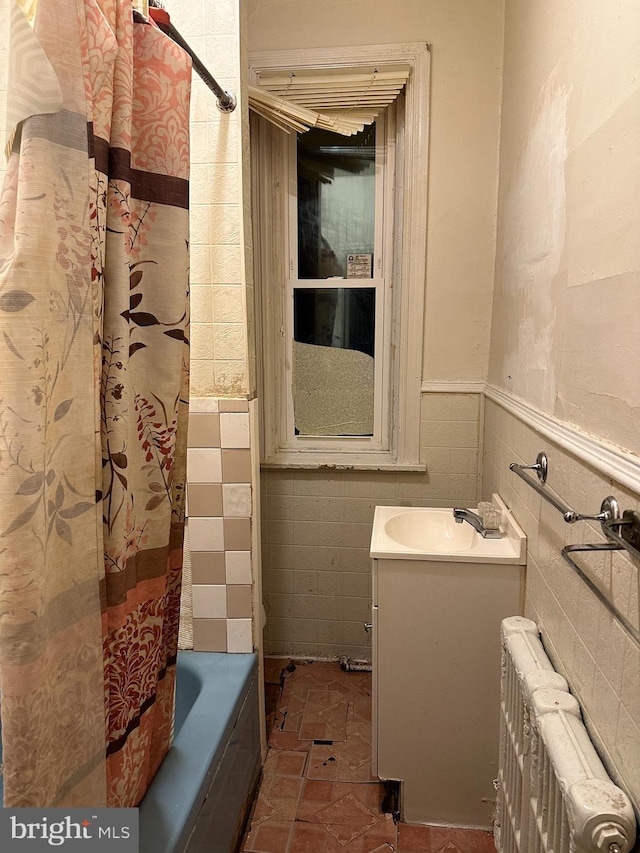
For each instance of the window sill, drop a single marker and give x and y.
(347, 462)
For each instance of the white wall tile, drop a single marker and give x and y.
(201, 340)
(437, 459)
(224, 224)
(188, 18)
(465, 407)
(200, 97)
(224, 179)
(234, 430)
(206, 534)
(202, 376)
(239, 635)
(464, 434)
(204, 465)
(226, 264)
(203, 404)
(228, 303)
(611, 651)
(229, 341)
(198, 184)
(604, 708)
(435, 433)
(630, 683)
(230, 374)
(464, 460)
(236, 500)
(199, 222)
(436, 407)
(626, 745)
(202, 306)
(200, 264)
(199, 144)
(222, 53)
(590, 648)
(224, 21)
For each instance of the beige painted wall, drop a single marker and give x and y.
(567, 299)
(466, 39)
(565, 330)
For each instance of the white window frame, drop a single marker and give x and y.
(380, 282)
(403, 267)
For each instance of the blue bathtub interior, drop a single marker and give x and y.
(200, 795)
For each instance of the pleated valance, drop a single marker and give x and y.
(343, 100)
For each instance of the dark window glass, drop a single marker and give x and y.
(336, 202)
(335, 317)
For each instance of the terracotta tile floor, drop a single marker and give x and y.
(317, 793)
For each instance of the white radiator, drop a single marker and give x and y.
(554, 794)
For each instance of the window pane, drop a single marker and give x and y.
(336, 203)
(333, 360)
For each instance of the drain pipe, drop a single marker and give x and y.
(348, 665)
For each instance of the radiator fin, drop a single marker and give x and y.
(554, 794)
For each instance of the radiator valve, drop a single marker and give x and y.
(610, 839)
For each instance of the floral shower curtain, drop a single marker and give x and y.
(93, 401)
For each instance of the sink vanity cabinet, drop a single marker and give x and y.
(438, 600)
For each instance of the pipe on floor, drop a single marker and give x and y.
(348, 665)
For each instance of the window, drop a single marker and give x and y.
(337, 290)
(340, 271)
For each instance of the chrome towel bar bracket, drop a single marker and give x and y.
(541, 467)
(627, 534)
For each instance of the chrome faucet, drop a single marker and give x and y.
(475, 521)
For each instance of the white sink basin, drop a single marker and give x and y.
(432, 533)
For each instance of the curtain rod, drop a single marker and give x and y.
(226, 100)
